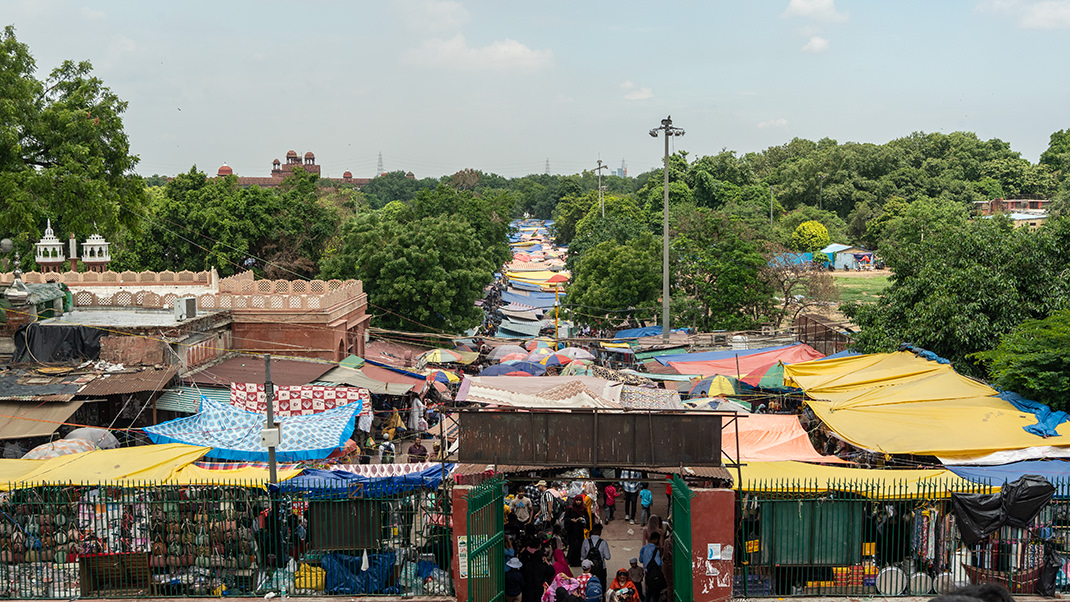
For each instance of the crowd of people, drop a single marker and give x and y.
(555, 551)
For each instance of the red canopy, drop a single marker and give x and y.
(749, 363)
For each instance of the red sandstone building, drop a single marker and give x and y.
(279, 172)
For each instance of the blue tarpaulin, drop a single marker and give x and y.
(1047, 419)
(1057, 472)
(344, 577)
(709, 356)
(316, 483)
(835, 356)
(234, 434)
(646, 331)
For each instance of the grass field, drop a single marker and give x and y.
(861, 288)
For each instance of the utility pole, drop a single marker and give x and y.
(669, 130)
(821, 192)
(770, 204)
(271, 440)
(601, 201)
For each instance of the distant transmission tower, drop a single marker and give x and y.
(547, 165)
(379, 170)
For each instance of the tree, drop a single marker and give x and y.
(810, 237)
(798, 286)
(961, 290)
(1034, 360)
(394, 186)
(196, 223)
(787, 223)
(425, 275)
(905, 224)
(613, 282)
(63, 152)
(488, 215)
(716, 273)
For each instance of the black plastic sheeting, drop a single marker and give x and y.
(35, 342)
(1017, 504)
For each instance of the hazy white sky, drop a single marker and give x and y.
(437, 86)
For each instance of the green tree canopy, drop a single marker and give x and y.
(1033, 360)
(716, 273)
(613, 282)
(810, 237)
(961, 290)
(424, 275)
(63, 152)
(196, 222)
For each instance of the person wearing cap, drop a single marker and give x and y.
(514, 580)
(546, 503)
(590, 584)
(637, 575)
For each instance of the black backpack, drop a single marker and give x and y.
(595, 556)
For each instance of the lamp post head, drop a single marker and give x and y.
(6, 245)
(654, 133)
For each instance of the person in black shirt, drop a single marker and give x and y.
(514, 580)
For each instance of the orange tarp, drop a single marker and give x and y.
(771, 438)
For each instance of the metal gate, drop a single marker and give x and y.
(681, 540)
(486, 542)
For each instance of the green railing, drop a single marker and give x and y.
(681, 540)
(864, 539)
(202, 540)
(486, 542)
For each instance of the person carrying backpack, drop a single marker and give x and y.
(596, 550)
(650, 559)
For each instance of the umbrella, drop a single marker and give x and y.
(576, 353)
(440, 356)
(503, 370)
(100, 438)
(529, 367)
(715, 385)
(769, 377)
(534, 344)
(555, 359)
(539, 354)
(498, 352)
(55, 449)
(513, 357)
(557, 278)
(443, 376)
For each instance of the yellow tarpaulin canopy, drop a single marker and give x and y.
(168, 464)
(800, 477)
(900, 403)
(147, 464)
(195, 475)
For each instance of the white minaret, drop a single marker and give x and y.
(49, 254)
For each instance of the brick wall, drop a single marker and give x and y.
(128, 350)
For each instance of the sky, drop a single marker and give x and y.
(436, 86)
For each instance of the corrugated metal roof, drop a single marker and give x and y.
(120, 383)
(22, 385)
(250, 369)
(188, 399)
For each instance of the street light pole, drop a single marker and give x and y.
(601, 200)
(669, 130)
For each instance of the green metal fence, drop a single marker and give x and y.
(204, 540)
(486, 542)
(681, 540)
(862, 539)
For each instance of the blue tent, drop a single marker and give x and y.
(318, 483)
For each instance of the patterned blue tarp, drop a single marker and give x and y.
(234, 434)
